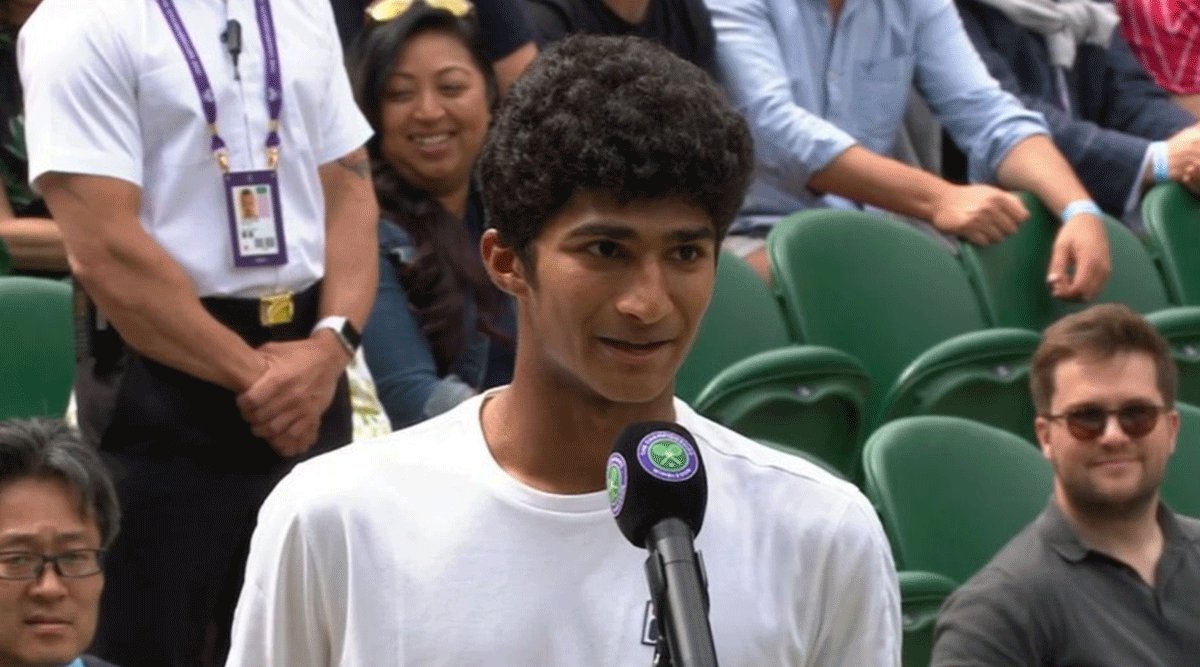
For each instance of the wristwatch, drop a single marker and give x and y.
(347, 335)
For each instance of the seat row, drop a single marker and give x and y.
(871, 319)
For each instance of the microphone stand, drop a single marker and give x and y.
(678, 588)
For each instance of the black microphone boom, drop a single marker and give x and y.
(658, 490)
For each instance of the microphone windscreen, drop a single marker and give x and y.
(654, 473)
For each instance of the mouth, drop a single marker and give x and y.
(635, 348)
(50, 624)
(430, 140)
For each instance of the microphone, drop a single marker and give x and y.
(232, 39)
(657, 491)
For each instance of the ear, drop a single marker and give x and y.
(503, 266)
(1041, 427)
(1172, 418)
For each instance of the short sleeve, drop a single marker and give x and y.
(985, 623)
(343, 126)
(80, 78)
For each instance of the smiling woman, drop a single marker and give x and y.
(438, 331)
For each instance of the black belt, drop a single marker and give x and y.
(246, 317)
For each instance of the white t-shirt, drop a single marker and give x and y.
(418, 549)
(108, 92)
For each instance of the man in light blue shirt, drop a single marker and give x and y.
(824, 84)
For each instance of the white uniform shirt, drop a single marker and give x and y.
(108, 92)
(418, 549)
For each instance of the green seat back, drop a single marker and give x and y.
(803, 398)
(878, 289)
(742, 319)
(1010, 276)
(951, 492)
(1181, 487)
(1172, 217)
(1181, 327)
(983, 375)
(37, 355)
(921, 598)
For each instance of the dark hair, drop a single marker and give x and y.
(45, 449)
(623, 116)
(1100, 332)
(446, 265)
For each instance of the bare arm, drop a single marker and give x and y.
(980, 213)
(510, 67)
(1080, 262)
(35, 244)
(286, 404)
(138, 286)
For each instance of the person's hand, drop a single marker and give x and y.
(981, 214)
(1183, 157)
(284, 406)
(1079, 261)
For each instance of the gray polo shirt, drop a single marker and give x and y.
(1049, 599)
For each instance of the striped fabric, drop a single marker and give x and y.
(1165, 36)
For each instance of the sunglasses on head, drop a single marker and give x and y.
(382, 11)
(1088, 422)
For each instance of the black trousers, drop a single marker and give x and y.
(190, 477)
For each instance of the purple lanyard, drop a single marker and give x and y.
(266, 29)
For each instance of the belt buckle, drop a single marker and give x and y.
(274, 309)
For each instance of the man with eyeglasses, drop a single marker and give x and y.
(58, 511)
(1107, 574)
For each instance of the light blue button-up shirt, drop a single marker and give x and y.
(811, 89)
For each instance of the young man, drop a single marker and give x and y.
(483, 536)
(58, 512)
(1106, 575)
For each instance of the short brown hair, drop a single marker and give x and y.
(1099, 332)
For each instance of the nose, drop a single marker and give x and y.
(1112, 434)
(646, 297)
(48, 584)
(429, 105)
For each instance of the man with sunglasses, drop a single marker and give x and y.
(58, 511)
(1107, 574)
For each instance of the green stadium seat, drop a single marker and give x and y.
(1172, 217)
(1010, 276)
(803, 398)
(878, 289)
(951, 492)
(984, 377)
(37, 356)
(1181, 327)
(743, 319)
(1181, 487)
(921, 598)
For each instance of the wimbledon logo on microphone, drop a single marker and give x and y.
(668, 456)
(618, 482)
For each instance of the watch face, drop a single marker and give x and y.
(351, 334)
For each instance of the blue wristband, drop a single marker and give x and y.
(1160, 161)
(1080, 206)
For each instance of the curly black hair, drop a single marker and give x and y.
(619, 115)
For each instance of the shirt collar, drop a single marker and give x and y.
(1059, 533)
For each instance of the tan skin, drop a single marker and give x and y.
(35, 244)
(605, 315)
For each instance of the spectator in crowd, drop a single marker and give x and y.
(606, 233)
(427, 90)
(1119, 130)
(683, 26)
(58, 512)
(27, 233)
(1165, 37)
(505, 33)
(1107, 574)
(824, 86)
(215, 354)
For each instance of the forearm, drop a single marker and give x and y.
(35, 244)
(1036, 165)
(351, 239)
(138, 287)
(866, 177)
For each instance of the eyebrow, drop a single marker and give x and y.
(622, 232)
(445, 70)
(29, 540)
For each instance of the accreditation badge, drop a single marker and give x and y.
(255, 218)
